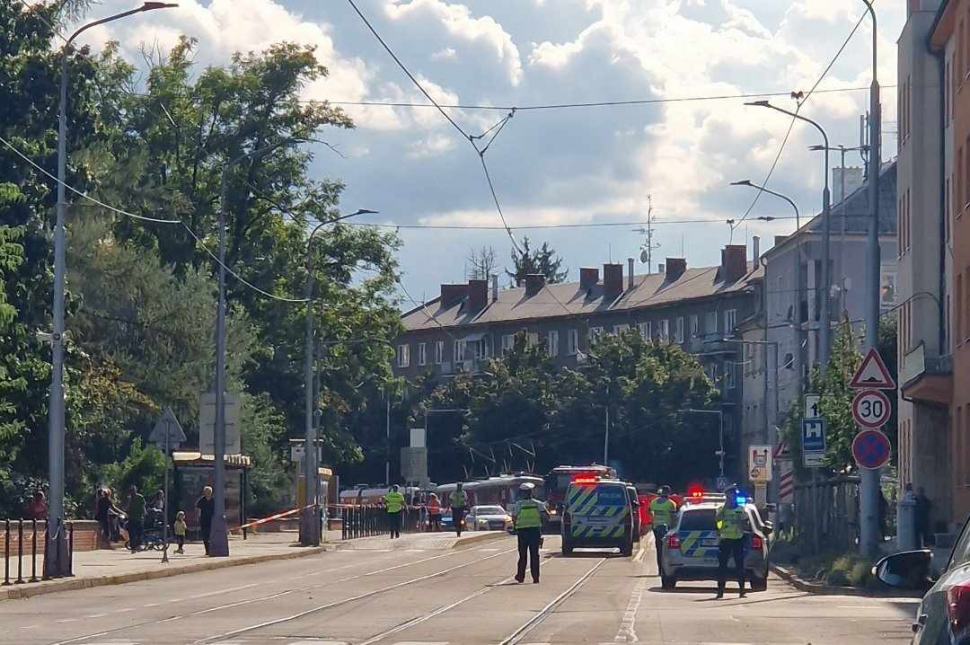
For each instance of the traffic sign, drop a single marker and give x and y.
(812, 410)
(414, 464)
(813, 442)
(786, 484)
(782, 450)
(871, 449)
(168, 431)
(207, 423)
(722, 483)
(759, 463)
(872, 374)
(871, 408)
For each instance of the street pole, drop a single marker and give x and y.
(219, 532)
(59, 565)
(606, 436)
(870, 478)
(825, 289)
(387, 430)
(168, 431)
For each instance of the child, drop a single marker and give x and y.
(180, 527)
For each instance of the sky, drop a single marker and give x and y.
(565, 166)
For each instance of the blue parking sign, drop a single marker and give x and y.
(813, 435)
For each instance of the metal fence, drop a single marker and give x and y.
(24, 550)
(827, 514)
(368, 521)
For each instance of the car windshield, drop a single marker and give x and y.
(489, 510)
(701, 519)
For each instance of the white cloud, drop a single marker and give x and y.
(448, 53)
(432, 146)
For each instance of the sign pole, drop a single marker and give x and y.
(168, 437)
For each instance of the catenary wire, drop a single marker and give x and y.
(528, 227)
(155, 220)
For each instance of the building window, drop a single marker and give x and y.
(712, 372)
(621, 329)
(422, 353)
(439, 352)
(459, 352)
(729, 369)
(664, 331)
(679, 331)
(645, 330)
(533, 338)
(695, 326)
(403, 356)
(730, 321)
(594, 334)
(710, 326)
(508, 344)
(552, 343)
(572, 342)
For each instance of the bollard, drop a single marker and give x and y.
(906, 539)
(20, 553)
(6, 553)
(33, 551)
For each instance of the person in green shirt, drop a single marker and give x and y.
(136, 518)
(662, 508)
(459, 505)
(729, 521)
(395, 507)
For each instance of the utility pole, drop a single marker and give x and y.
(869, 492)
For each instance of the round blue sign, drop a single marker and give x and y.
(871, 449)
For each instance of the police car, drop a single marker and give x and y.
(690, 549)
(599, 513)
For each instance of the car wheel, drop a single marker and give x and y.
(759, 584)
(668, 582)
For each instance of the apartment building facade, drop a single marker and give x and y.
(696, 308)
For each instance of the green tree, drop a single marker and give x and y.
(526, 261)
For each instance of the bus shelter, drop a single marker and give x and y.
(193, 471)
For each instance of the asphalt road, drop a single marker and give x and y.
(419, 593)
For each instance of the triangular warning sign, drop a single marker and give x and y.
(872, 374)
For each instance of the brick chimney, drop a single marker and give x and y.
(675, 268)
(534, 282)
(588, 277)
(612, 280)
(477, 295)
(734, 262)
(452, 294)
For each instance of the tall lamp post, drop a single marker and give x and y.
(310, 533)
(824, 317)
(797, 309)
(720, 417)
(57, 566)
(219, 533)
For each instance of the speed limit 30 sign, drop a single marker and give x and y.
(871, 409)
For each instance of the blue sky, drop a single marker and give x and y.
(566, 166)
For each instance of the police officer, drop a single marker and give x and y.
(662, 508)
(459, 505)
(729, 521)
(395, 507)
(527, 514)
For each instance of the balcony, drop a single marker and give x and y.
(927, 379)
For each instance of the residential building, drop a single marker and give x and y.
(934, 360)
(695, 308)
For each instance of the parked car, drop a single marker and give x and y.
(488, 518)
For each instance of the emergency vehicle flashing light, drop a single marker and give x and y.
(585, 480)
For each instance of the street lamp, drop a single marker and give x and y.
(720, 417)
(824, 326)
(219, 532)
(310, 534)
(57, 566)
(797, 322)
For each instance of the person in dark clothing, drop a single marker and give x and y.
(883, 512)
(923, 508)
(206, 507)
(101, 509)
(136, 518)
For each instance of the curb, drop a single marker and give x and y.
(801, 584)
(475, 539)
(56, 586)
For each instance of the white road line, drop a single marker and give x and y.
(152, 604)
(96, 615)
(627, 632)
(30, 626)
(220, 592)
(123, 611)
(67, 620)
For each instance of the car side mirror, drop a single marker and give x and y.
(906, 570)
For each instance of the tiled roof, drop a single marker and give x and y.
(569, 299)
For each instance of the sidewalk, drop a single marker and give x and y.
(118, 566)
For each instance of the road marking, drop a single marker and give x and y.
(30, 626)
(627, 632)
(217, 593)
(96, 615)
(152, 604)
(122, 611)
(67, 620)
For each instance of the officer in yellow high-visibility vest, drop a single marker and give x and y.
(527, 514)
(459, 506)
(662, 508)
(729, 521)
(395, 507)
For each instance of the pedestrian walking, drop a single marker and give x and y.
(136, 518)
(180, 528)
(102, 513)
(434, 513)
(729, 521)
(662, 509)
(395, 508)
(37, 506)
(206, 508)
(922, 518)
(459, 505)
(527, 516)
